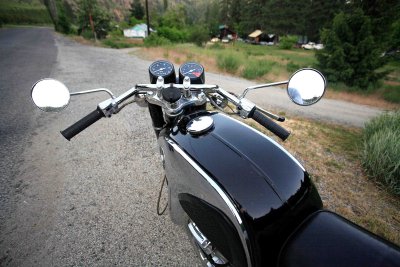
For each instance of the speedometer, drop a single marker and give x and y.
(194, 71)
(164, 69)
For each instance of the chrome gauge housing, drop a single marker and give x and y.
(194, 71)
(164, 69)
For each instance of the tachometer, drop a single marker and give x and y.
(194, 71)
(164, 69)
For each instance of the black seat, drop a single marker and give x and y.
(327, 239)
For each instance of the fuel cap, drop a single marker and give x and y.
(200, 125)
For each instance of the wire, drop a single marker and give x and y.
(159, 197)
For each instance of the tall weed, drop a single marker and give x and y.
(381, 154)
(228, 62)
(257, 68)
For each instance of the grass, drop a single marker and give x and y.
(257, 68)
(228, 62)
(331, 154)
(381, 153)
(241, 59)
(19, 12)
(121, 42)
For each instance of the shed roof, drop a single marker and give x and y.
(255, 34)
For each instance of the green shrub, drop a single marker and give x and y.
(87, 34)
(173, 34)
(198, 35)
(257, 68)
(228, 62)
(217, 46)
(391, 93)
(381, 153)
(117, 44)
(292, 67)
(155, 40)
(287, 42)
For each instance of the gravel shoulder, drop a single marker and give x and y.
(91, 201)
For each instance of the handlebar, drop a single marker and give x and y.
(275, 128)
(154, 95)
(82, 124)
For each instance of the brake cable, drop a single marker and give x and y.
(159, 197)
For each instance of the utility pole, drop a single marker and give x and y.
(147, 18)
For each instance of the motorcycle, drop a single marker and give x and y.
(243, 199)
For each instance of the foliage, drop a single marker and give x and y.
(395, 36)
(174, 17)
(90, 10)
(228, 62)
(381, 154)
(198, 35)
(134, 21)
(257, 68)
(287, 42)
(350, 54)
(383, 14)
(13, 12)
(173, 34)
(155, 40)
(63, 23)
(137, 10)
(391, 93)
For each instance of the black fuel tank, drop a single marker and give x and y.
(270, 188)
(249, 165)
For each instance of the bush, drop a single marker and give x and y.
(217, 46)
(287, 42)
(292, 67)
(381, 154)
(257, 68)
(199, 36)
(155, 40)
(391, 93)
(228, 62)
(173, 34)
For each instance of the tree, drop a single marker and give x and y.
(350, 55)
(92, 16)
(137, 10)
(383, 13)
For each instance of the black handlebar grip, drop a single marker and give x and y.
(82, 124)
(275, 128)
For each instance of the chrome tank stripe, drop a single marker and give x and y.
(240, 227)
(208, 178)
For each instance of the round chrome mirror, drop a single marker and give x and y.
(306, 87)
(50, 95)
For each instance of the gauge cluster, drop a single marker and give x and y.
(166, 69)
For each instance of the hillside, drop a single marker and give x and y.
(24, 12)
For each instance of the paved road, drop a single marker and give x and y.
(92, 201)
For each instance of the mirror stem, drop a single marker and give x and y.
(94, 91)
(261, 86)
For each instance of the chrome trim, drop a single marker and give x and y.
(261, 86)
(94, 91)
(208, 178)
(201, 240)
(200, 125)
(243, 235)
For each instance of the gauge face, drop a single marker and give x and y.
(193, 70)
(164, 69)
